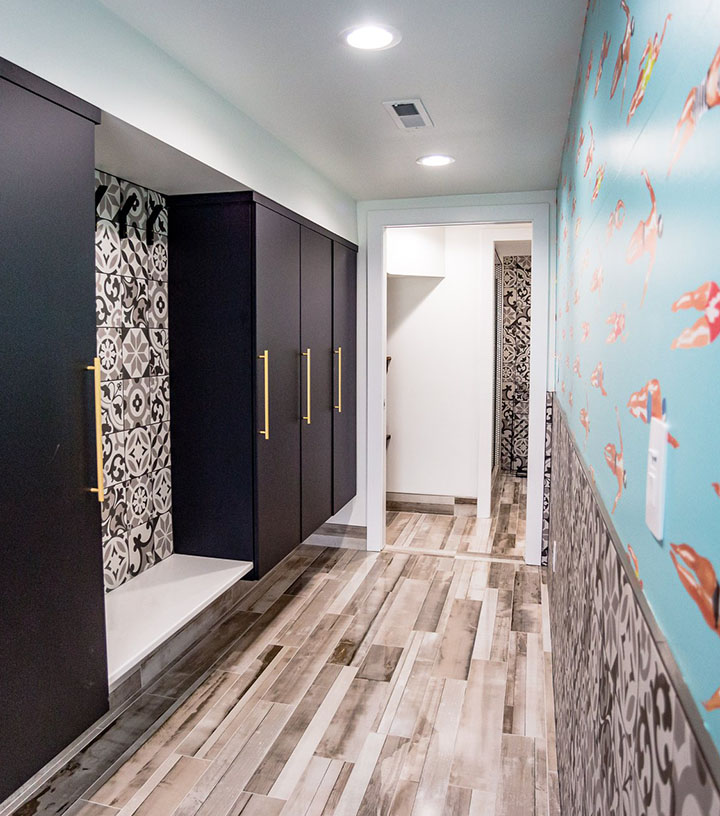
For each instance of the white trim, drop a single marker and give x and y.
(538, 214)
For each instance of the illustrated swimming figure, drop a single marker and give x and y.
(705, 299)
(585, 419)
(646, 235)
(591, 151)
(617, 321)
(698, 577)
(617, 217)
(596, 379)
(585, 331)
(603, 53)
(599, 176)
(647, 403)
(576, 367)
(698, 102)
(588, 71)
(616, 463)
(623, 57)
(596, 281)
(581, 142)
(649, 58)
(636, 566)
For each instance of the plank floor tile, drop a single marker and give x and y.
(415, 681)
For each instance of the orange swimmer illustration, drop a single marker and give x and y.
(581, 142)
(636, 566)
(591, 151)
(585, 331)
(647, 64)
(623, 57)
(646, 235)
(698, 102)
(698, 577)
(616, 463)
(596, 379)
(576, 367)
(585, 419)
(603, 53)
(588, 71)
(617, 321)
(647, 403)
(617, 217)
(596, 281)
(705, 330)
(599, 176)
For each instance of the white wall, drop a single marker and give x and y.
(437, 371)
(85, 49)
(415, 251)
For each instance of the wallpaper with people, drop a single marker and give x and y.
(638, 301)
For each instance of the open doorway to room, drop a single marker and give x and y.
(484, 225)
(458, 343)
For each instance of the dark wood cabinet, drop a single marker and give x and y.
(251, 291)
(53, 681)
(345, 380)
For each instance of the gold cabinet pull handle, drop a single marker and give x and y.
(265, 356)
(100, 489)
(306, 355)
(338, 407)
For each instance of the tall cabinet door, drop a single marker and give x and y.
(53, 682)
(345, 353)
(277, 381)
(316, 255)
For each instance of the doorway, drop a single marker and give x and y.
(378, 222)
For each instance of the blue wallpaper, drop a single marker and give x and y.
(639, 300)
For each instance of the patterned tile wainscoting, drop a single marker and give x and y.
(630, 739)
(132, 344)
(515, 383)
(547, 477)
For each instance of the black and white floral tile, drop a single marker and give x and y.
(628, 738)
(515, 370)
(131, 273)
(547, 477)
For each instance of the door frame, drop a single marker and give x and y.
(537, 214)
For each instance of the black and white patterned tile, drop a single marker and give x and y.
(138, 451)
(107, 196)
(111, 403)
(108, 255)
(134, 261)
(132, 343)
(108, 300)
(109, 350)
(137, 213)
(624, 741)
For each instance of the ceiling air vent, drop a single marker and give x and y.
(408, 114)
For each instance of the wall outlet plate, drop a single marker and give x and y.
(656, 477)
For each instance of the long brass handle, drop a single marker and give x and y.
(265, 356)
(338, 407)
(100, 489)
(306, 355)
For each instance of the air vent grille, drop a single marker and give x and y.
(408, 114)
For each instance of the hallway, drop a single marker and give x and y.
(351, 682)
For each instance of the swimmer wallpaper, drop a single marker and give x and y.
(638, 302)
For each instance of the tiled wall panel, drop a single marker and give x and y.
(132, 344)
(629, 738)
(515, 384)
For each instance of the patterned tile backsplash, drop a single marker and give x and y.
(131, 299)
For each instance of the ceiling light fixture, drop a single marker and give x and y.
(435, 160)
(371, 37)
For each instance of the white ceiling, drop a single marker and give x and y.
(495, 76)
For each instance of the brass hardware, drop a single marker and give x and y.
(100, 489)
(306, 354)
(265, 356)
(339, 354)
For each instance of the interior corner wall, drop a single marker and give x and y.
(85, 49)
(436, 373)
(638, 309)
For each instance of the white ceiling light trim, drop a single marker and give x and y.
(371, 37)
(435, 160)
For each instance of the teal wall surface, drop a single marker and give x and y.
(638, 300)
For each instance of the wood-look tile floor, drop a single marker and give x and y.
(347, 682)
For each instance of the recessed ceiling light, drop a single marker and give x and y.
(436, 160)
(371, 37)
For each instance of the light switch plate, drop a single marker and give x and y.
(656, 477)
